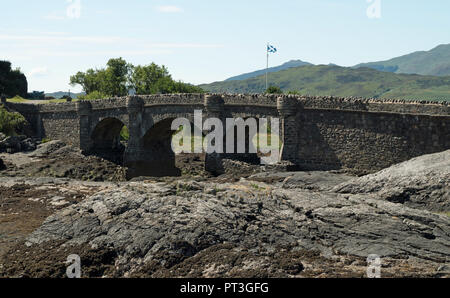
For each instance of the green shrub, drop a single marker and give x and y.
(11, 123)
(294, 92)
(93, 96)
(124, 134)
(274, 90)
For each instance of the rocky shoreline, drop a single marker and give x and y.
(261, 224)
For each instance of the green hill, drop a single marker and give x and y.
(434, 62)
(290, 64)
(334, 80)
(60, 94)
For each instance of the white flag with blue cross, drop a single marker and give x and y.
(271, 49)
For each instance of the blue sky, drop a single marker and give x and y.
(202, 41)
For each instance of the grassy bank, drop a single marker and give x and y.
(19, 99)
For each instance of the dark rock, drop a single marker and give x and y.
(11, 144)
(169, 222)
(304, 180)
(28, 145)
(214, 164)
(14, 144)
(423, 182)
(47, 148)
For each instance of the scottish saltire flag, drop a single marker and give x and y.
(271, 49)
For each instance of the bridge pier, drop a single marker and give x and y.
(84, 110)
(148, 153)
(214, 108)
(133, 153)
(288, 109)
(135, 109)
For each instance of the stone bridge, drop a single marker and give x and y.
(318, 133)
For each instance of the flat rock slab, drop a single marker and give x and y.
(316, 180)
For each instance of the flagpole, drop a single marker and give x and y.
(267, 67)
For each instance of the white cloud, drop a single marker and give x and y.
(54, 33)
(28, 47)
(53, 38)
(35, 40)
(169, 9)
(38, 72)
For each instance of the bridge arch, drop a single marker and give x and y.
(156, 156)
(244, 146)
(106, 139)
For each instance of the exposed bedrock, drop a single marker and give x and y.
(423, 182)
(308, 224)
(167, 223)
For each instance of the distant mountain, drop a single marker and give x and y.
(434, 62)
(60, 94)
(343, 81)
(290, 64)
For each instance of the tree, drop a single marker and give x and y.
(112, 81)
(274, 90)
(36, 95)
(149, 79)
(88, 80)
(93, 95)
(119, 77)
(153, 79)
(12, 82)
(180, 87)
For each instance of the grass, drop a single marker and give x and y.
(58, 100)
(444, 213)
(256, 187)
(18, 99)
